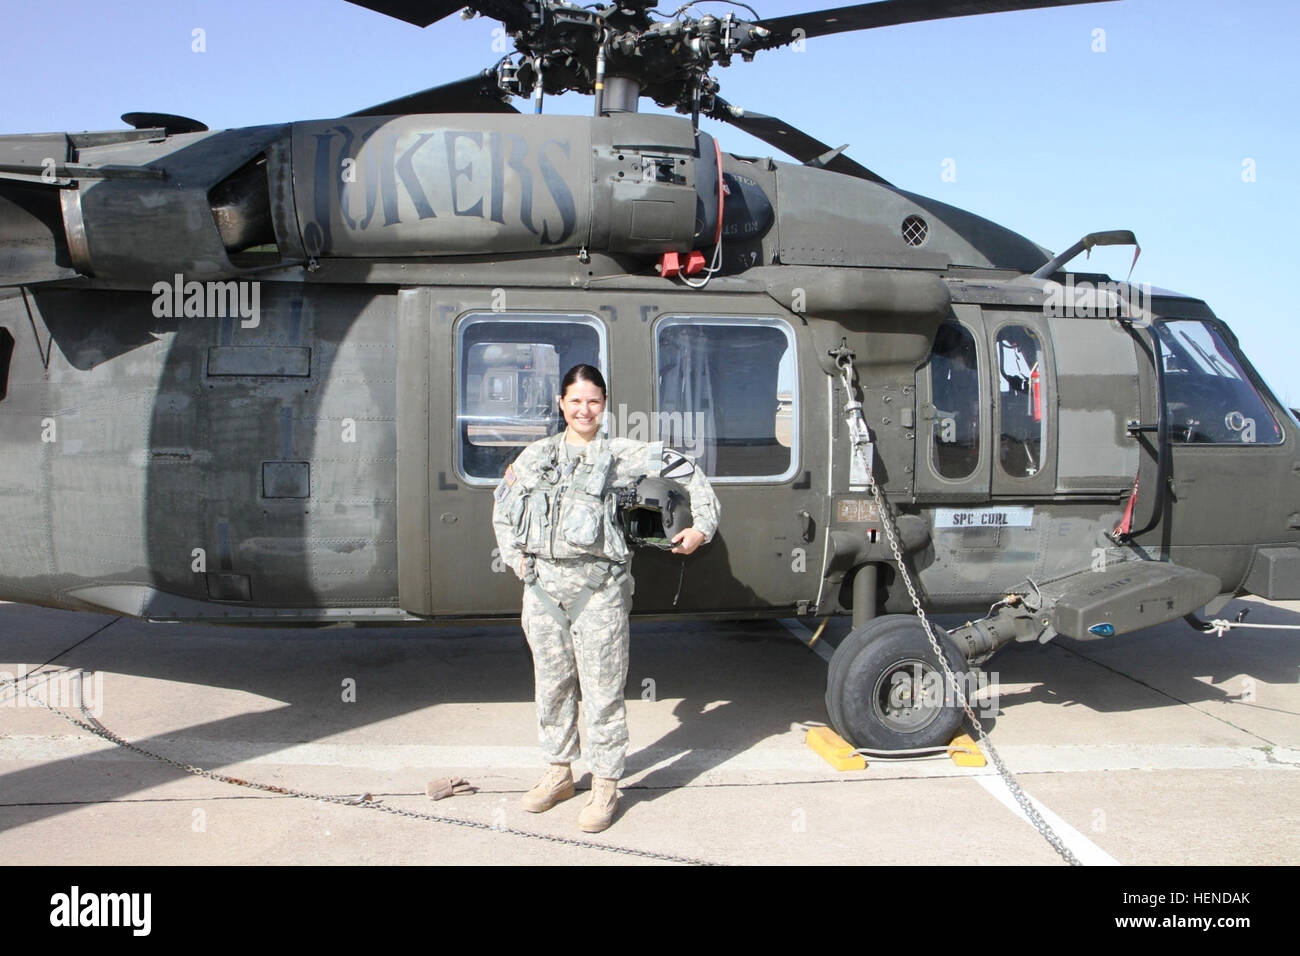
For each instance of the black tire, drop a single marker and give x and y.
(887, 690)
(848, 649)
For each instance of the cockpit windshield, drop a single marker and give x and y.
(1209, 397)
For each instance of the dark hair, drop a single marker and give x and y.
(583, 373)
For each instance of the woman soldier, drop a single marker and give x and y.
(556, 526)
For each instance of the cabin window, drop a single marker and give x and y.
(510, 370)
(1209, 398)
(1021, 403)
(955, 390)
(727, 394)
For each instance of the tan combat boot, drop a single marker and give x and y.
(556, 786)
(598, 814)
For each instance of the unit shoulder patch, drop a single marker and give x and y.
(676, 465)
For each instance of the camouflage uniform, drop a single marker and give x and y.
(558, 512)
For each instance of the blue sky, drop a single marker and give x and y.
(1045, 135)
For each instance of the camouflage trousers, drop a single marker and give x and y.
(592, 654)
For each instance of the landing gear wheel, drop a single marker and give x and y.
(886, 691)
(848, 649)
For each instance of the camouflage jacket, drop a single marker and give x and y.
(553, 508)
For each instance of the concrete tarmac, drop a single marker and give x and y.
(1162, 747)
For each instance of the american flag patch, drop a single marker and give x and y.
(507, 482)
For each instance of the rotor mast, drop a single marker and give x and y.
(622, 94)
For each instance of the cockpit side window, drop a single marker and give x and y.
(955, 387)
(1209, 398)
(1023, 424)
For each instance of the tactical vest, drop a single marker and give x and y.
(569, 512)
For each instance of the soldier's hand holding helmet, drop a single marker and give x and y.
(685, 542)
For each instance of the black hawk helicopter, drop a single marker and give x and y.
(272, 375)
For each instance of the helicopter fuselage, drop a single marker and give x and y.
(274, 375)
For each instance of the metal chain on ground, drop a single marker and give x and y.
(99, 730)
(859, 434)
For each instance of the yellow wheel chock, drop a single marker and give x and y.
(839, 753)
(965, 752)
(834, 749)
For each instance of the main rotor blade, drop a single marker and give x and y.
(419, 12)
(790, 140)
(515, 14)
(885, 13)
(474, 94)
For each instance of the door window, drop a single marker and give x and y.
(510, 369)
(728, 395)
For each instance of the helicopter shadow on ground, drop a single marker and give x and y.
(740, 683)
(286, 685)
(1172, 660)
(750, 682)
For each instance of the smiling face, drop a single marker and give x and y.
(582, 405)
